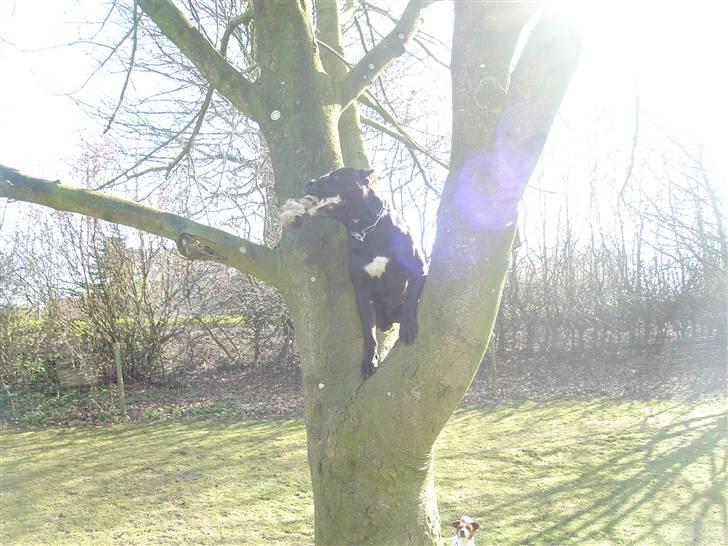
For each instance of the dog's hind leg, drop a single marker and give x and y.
(408, 322)
(365, 305)
(386, 316)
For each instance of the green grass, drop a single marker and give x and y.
(588, 472)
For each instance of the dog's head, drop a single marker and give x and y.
(333, 192)
(465, 527)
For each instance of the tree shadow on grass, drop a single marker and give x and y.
(660, 478)
(171, 480)
(643, 476)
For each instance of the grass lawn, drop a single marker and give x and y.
(594, 472)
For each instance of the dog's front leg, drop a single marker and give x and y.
(370, 360)
(408, 323)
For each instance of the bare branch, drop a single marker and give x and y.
(195, 131)
(328, 34)
(194, 240)
(417, 39)
(335, 53)
(212, 65)
(386, 51)
(135, 27)
(537, 87)
(431, 54)
(127, 172)
(112, 51)
(234, 23)
(635, 138)
(400, 133)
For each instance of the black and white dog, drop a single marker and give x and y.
(387, 270)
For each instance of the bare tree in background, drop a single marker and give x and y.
(658, 272)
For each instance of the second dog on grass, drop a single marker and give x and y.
(385, 266)
(465, 528)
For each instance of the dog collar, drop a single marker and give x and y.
(361, 235)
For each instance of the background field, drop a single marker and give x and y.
(597, 471)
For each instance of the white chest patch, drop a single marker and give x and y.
(376, 267)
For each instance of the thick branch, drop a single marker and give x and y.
(538, 85)
(194, 240)
(328, 31)
(476, 225)
(211, 64)
(337, 65)
(378, 58)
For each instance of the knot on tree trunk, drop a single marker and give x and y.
(194, 247)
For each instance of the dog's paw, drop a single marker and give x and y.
(408, 330)
(368, 366)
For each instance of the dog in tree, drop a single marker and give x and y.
(385, 266)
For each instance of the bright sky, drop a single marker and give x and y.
(672, 51)
(41, 126)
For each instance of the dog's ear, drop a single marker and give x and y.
(475, 525)
(364, 175)
(456, 523)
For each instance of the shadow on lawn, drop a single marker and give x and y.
(172, 482)
(647, 482)
(551, 473)
(104, 450)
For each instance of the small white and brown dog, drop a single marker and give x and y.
(465, 528)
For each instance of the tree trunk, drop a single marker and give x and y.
(365, 493)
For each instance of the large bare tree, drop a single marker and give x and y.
(369, 442)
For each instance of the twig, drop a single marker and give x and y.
(243, 18)
(135, 27)
(630, 167)
(200, 116)
(374, 104)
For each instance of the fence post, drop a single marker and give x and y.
(120, 378)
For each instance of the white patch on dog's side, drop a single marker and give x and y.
(325, 202)
(376, 267)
